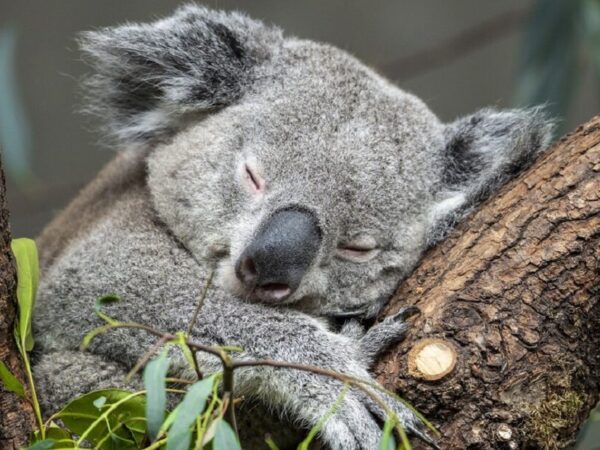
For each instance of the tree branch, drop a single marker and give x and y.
(505, 352)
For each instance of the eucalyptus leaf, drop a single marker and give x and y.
(180, 434)
(99, 402)
(62, 438)
(187, 352)
(10, 382)
(225, 438)
(26, 255)
(156, 394)
(42, 445)
(105, 300)
(209, 434)
(82, 412)
(169, 420)
(387, 441)
(271, 443)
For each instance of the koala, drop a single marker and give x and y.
(305, 184)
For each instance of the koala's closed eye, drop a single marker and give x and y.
(360, 249)
(251, 177)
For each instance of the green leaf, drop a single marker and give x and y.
(156, 394)
(25, 253)
(62, 438)
(169, 420)
(180, 435)
(271, 443)
(387, 441)
(187, 352)
(105, 300)
(225, 438)
(42, 445)
(82, 412)
(99, 402)
(10, 382)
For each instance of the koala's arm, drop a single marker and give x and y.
(129, 253)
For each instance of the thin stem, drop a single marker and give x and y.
(207, 416)
(304, 367)
(199, 373)
(178, 380)
(34, 399)
(146, 357)
(156, 444)
(228, 369)
(216, 351)
(200, 302)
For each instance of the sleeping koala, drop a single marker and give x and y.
(307, 183)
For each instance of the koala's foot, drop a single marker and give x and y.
(356, 425)
(390, 331)
(63, 375)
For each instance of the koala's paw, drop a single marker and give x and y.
(391, 330)
(356, 424)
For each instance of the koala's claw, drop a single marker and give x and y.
(422, 434)
(406, 313)
(409, 421)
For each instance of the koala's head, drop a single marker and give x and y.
(302, 175)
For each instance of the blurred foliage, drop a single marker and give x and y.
(561, 40)
(15, 135)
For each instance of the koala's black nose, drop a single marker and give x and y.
(273, 264)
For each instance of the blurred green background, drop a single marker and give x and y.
(457, 55)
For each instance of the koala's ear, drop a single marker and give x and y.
(483, 151)
(147, 75)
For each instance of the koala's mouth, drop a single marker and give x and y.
(272, 292)
(269, 293)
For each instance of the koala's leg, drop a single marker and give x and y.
(64, 375)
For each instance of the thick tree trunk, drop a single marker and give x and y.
(506, 351)
(16, 414)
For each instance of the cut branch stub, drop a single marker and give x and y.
(515, 290)
(431, 359)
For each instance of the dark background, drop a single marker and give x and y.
(457, 55)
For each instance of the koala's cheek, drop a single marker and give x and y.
(314, 284)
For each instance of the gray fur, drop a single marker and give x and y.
(195, 107)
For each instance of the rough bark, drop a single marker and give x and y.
(16, 414)
(511, 299)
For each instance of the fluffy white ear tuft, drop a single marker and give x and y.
(482, 152)
(147, 75)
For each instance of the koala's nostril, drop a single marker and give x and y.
(247, 271)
